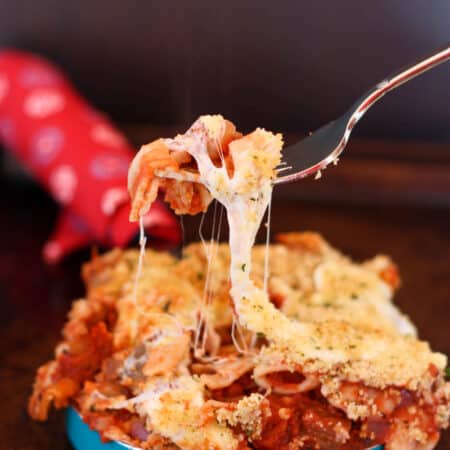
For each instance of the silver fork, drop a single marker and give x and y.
(315, 152)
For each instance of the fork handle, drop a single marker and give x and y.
(395, 80)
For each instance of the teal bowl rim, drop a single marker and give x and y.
(83, 438)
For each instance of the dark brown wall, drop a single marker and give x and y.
(288, 65)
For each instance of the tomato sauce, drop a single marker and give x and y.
(91, 350)
(305, 420)
(240, 388)
(285, 379)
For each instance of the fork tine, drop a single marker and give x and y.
(283, 169)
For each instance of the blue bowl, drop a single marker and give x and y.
(83, 438)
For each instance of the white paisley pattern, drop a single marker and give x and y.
(63, 182)
(46, 144)
(43, 102)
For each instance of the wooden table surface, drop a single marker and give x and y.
(34, 299)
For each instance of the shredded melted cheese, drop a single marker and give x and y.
(245, 195)
(326, 349)
(174, 408)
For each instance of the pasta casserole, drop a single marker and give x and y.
(239, 346)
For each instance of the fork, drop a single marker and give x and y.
(313, 153)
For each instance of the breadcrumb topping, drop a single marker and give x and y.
(248, 414)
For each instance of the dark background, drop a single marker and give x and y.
(287, 65)
(290, 65)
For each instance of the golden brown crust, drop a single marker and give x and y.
(206, 353)
(376, 353)
(307, 241)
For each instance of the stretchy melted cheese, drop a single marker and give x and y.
(153, 356)
(245, 195)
